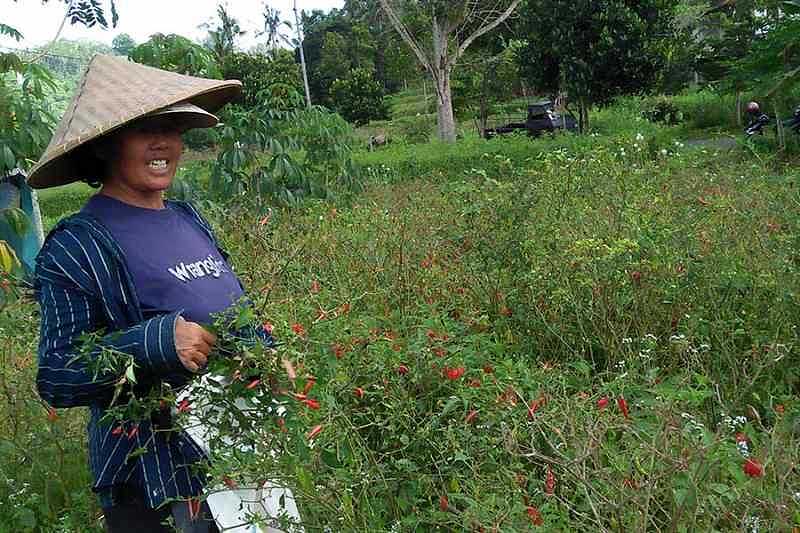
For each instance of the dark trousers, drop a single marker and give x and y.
(131, 515)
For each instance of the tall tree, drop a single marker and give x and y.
(595, 49)
(334, 43)
(123, 44)
(273, 28)
(222, 35)
(453, 26)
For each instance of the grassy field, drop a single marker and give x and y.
(573, 333)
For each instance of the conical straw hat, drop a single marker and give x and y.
(112, 93)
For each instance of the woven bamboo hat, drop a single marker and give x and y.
(114, 92)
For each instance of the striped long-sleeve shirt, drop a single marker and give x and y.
(83, 286)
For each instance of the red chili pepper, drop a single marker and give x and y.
(535, 516)
(299, 329)
(359, 392)
(532, 408)
(299, 396)
(309, 384)
(402, 370)
(471, 416)
(316, 430)
(117, 431)
(623, 406)
(454, 373)
(184, 406)
(311, 403)
(253, 384)
(443, 503)
(134, 431)
(194, 508)
(602, 403)
(753, 468)
(549, 482)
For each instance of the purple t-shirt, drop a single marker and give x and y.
(173, 263)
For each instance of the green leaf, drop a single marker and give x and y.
(10, 32)
(136, 453)
(26, 519)
(129, 374)
(17, 219)
(8, 259)
(9, 161)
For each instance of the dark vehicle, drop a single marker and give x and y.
(759, 120)
(541, 118)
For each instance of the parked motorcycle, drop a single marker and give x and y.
(758, 120)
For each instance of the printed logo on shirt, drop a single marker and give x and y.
(199, 269)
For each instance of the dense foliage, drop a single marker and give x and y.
(280, 151)
(358, 97)
(123, 44)
(178, 54)
(596, 51)
(259, 72)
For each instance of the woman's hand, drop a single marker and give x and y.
(193, 344)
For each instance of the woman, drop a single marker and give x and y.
(138, 273)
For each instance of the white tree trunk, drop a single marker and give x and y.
(446, 123)
(444, 108)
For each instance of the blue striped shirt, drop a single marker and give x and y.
(83, 285)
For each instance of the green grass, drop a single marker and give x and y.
(58, 202)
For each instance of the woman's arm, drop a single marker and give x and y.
(66, 376)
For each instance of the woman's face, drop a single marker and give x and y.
(145, 156)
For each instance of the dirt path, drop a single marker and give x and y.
(718, 143)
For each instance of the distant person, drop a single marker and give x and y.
(141, 272)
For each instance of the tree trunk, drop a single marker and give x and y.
(441, 75)
(583, 116)
(444, 108)
(302, 56)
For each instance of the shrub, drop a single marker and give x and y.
(259, 73)
(359, 97)
(707, 109)
(200, 138)
(665, 112)
(280, 151)
(417, 129)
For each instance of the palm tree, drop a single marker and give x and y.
(272, 28)
(222, 38)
